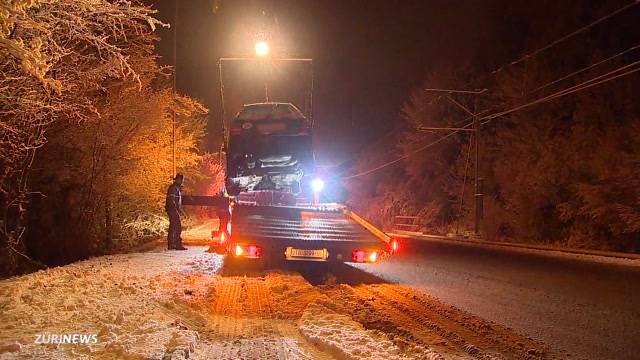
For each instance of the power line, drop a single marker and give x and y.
(584, 69)
(405, 156)
(584, 85)
(522, 58)
(571, 75)
(564, 93)
(555, 96)
(363, 149)
(551, 44)
(563, 38)
(470, 117)
(579, 30)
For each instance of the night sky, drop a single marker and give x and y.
(368, 55)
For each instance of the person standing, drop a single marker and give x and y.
(173, 207)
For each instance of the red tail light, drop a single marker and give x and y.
(364, 256)
(357, 256)
(248, 251)
(395, 245)
(223, 237)
(255, 251)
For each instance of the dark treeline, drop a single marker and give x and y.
(565, 170)
(85, 142)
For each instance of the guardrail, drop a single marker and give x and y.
(406, 223)
(542, 248)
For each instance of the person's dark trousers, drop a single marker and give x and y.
(175, 229)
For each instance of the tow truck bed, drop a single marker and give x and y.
(306, 233)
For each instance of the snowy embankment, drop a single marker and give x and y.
(122, 303)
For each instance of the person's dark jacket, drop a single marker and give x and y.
(173, 201)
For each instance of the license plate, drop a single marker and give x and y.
(271, 128)
(307, 253)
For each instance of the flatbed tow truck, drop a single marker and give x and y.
(272, 234)
(267, 214)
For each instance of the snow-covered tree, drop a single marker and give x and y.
(82, 73)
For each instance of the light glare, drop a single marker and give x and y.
(317, 185)
(394, 245)
(262, 48)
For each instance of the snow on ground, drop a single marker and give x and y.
(345, 338)
(189, 304)
(123, 299)
(200, 233)
(154, 305)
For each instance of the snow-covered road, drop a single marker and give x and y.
(585, 306)
(177, 305)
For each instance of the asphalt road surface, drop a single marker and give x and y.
(582, 309)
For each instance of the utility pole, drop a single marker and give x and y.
(223, 114)
(478, 195)
(175, 92)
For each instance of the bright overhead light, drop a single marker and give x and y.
(262, 48)
(317, 185)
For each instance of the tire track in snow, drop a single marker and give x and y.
(409, 317)
(407, 324)
(242, 316)
(484, 334)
